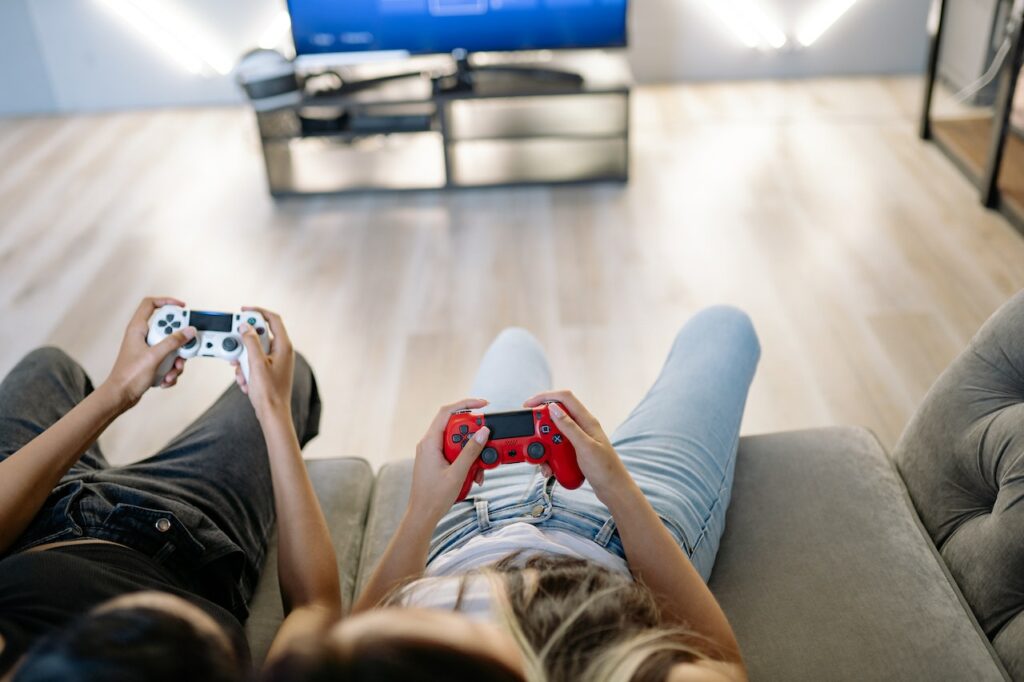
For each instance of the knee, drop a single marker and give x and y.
(729, 324)
(303, 371)
(48, 355)
(52, 359)
(516, 335)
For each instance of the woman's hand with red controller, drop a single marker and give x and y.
(594, 452)
(436, 484)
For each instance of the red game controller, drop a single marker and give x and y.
(520, 436)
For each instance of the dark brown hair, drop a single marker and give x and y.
(386, 659)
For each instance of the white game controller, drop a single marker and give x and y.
(217, 335)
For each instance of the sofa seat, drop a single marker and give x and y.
(824, 570)
(343, 487)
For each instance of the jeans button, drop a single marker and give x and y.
(537, 511)
(163, 525)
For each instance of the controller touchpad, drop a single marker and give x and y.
(510, 425)
(211, 322)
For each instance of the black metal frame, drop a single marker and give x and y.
(988, 182)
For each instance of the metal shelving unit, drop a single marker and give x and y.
(982, 143)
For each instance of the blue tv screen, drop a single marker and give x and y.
(433, 26)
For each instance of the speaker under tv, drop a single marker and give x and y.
(353, 30)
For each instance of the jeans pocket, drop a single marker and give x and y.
(676, 530)
(159, 533)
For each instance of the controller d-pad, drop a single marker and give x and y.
(176, 324)
(169, 317)
(161, 323)
(489, 456)
(557, 439)
(456, 438)
(230, 344)
(535, 451)
(167, 330)
(463, 430)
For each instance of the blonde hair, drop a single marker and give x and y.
(631, 644)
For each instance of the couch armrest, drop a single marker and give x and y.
(826, 573)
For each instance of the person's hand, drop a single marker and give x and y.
(597, 458)
(270, 375)
(436, 483)
(137, 361)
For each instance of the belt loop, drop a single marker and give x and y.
(604, 535)
(483, 518)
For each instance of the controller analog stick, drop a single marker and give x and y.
(535, 450)
(230, 344)
(489, 456)
(191, 343)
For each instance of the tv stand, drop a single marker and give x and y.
(507, 120)
(467, 75)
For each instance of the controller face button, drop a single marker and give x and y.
(535, 450)
(489, 456)
(545, 428)
(191, 344)
(456, 438)
(230, 344)
(463, 430)
(558, 438)
(251, 321)
(260, 331)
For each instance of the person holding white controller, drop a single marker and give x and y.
(144, 571)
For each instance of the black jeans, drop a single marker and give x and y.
(203, 506)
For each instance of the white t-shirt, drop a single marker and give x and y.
(439, 588)
(488, 548)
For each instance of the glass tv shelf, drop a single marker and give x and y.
(410, 134)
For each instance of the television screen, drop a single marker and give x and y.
(432, 26)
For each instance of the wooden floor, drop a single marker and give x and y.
(861, 253)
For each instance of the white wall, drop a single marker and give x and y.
(75, 55)
(683, 40)
(24, 81)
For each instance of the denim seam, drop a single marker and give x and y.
(718, 499)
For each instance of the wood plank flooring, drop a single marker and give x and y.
(861, 253)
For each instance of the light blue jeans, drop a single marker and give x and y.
(679, 443)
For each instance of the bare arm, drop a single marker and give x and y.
(435, 486)
(29, 475)
(306, 564)
(652, 553)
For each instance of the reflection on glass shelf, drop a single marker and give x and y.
(505, 162)
(324, 164)
(567, 116)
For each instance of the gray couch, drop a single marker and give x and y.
(839, 561)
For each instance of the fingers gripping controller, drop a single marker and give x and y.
(520, 436)
(217, 335)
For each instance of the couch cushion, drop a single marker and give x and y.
(390, 497)
(962, 457)
(343, 487)
(826, 574)
(823, 570)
